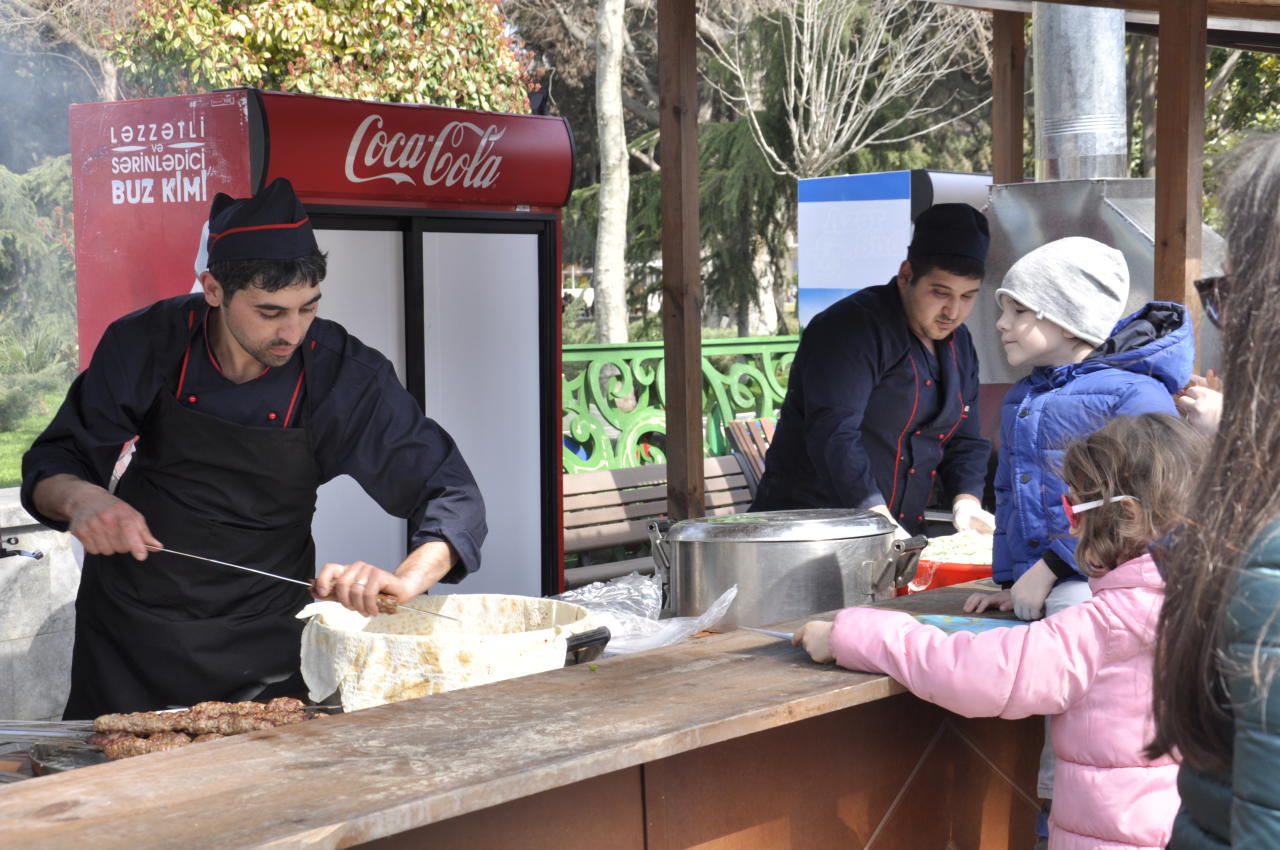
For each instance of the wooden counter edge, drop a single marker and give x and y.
(412, 803)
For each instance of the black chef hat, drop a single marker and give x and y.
(956, 229)
(272, 225)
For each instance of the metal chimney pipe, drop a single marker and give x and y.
(1081, 125)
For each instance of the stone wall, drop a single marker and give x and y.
(37, 616)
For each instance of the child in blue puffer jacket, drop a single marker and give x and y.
(1059, 305)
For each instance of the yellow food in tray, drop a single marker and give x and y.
(965, 547)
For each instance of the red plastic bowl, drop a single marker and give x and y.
(931, 574)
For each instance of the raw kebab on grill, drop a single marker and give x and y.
(124, 735)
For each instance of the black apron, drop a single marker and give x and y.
(173, 631)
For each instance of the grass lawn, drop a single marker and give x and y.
(14, 443)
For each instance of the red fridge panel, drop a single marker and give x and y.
(349, 151)
(143, 174)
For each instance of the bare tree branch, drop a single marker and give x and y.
(580, 33)
(77, 25)
(1222, 76)
(646, 113)
(644, 159)
(926, 131)
(854, 72)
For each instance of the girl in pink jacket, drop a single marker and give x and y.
(1089, 665)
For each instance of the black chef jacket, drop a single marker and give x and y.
(364, 423)
(871, 416)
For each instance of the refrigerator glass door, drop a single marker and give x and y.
(482, 381)
(364, 291)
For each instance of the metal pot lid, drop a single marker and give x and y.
(772, 526)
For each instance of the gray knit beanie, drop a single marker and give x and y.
(1077, 283)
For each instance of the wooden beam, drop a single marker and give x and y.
(681, 278)
(1258, 10)
(1180, 149)
(1264, 10)
(1008, 84)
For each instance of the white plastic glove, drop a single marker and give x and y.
(1031, 590)
(967, 515)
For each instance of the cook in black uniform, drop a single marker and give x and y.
(882, 402)
(243, 402)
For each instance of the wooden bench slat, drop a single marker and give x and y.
(627, 534)
(649, 510)
(616, 479)
(750, 439)
(586, 501)
(614, 507)
(726, 465)
(759, 440)
(578, 576)
(641, 476)
(605, 536)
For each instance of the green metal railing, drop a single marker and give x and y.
(615, 397)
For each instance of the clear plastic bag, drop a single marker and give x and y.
(630, 605)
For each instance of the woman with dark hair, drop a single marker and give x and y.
(1218, 643)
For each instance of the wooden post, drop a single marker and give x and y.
(1008, 84)
(681, 279)
(1180, 149)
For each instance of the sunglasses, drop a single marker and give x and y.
(1210, 290)
(1073, 511)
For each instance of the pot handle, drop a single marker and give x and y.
(902, 560)
(658, 540)
(586, 646)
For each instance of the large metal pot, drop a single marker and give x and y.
(786, 564)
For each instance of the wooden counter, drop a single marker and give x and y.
(733, 740)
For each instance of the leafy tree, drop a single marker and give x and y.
(745, 213)
(445, 52)
(37, 287)
(1242, 97)
(562, 35)
(36, 271)
(751, 120)
(1242, 92)
(601, 61)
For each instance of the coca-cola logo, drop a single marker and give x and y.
(460, 153)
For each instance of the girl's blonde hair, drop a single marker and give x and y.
(1154, 458)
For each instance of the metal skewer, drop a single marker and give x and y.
(769, 632)
(305, 584)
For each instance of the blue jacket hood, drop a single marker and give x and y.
(1137, 369)
(1156, 340)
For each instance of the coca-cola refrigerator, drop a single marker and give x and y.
(442, 228)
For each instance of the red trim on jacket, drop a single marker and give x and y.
(296, 389)
(960, 395)
(186, 355)
(897, 451)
